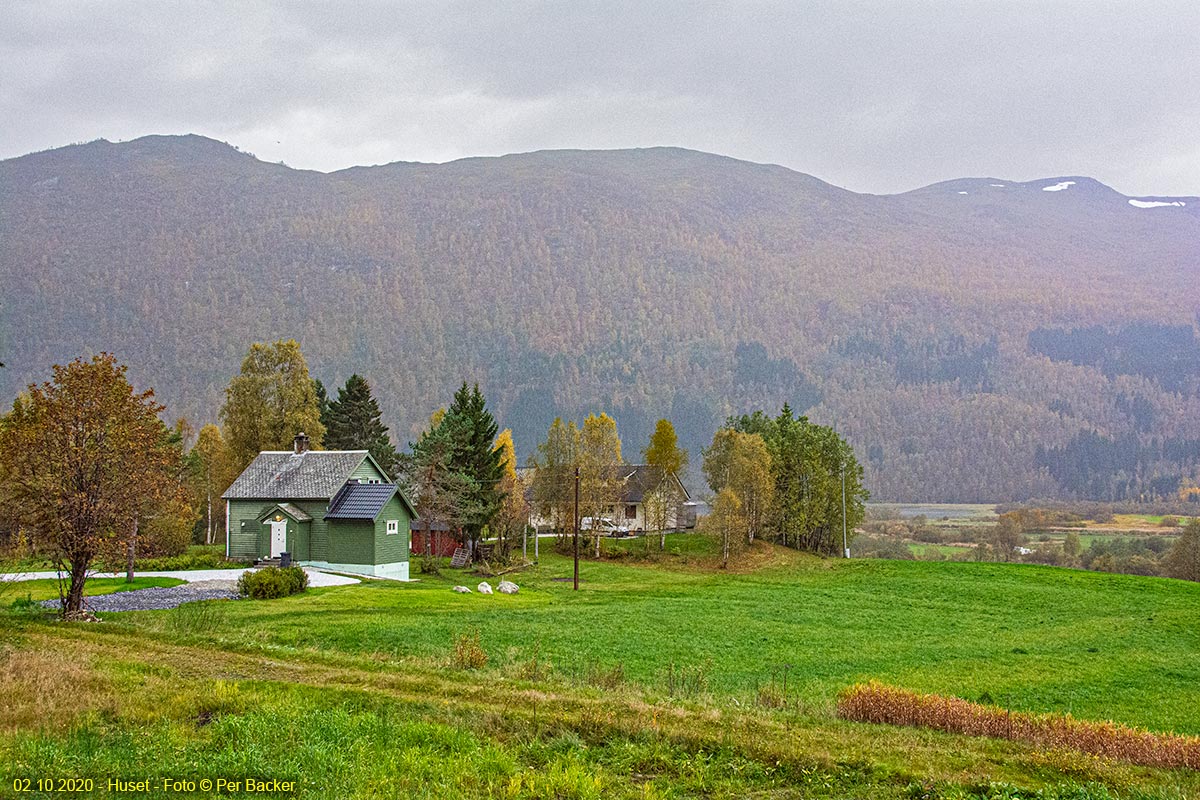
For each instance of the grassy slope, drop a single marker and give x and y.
(1100, 645)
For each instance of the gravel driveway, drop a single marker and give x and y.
(157, 597)
(202, 584)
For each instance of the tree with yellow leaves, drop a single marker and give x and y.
(600, 485)
(514, 511)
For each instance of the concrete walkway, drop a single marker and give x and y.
(315, 577)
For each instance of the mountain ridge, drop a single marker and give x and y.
(193, 140)
(646, 282)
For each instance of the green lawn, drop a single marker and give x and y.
(1036, 638)
(47, 589)
(645, 683)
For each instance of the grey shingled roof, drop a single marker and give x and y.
(283, 475)
(360, 500)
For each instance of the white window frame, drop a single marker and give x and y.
(393, 527)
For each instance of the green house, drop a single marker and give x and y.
(333, 509)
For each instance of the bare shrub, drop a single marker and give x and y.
(687, 680)
(468, 652)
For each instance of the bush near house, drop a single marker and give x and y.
(270, 583)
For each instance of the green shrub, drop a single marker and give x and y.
(272, 582)
(197, 558)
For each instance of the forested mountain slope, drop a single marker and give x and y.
(976, 340)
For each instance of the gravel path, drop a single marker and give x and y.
(157, 597)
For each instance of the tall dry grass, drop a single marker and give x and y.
(879, 703)
(41, 691)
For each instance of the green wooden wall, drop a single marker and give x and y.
(392, 548)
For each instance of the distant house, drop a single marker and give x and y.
(638, 482)
(335, 509)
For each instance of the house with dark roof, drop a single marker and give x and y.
(639, 483)
(334, 509)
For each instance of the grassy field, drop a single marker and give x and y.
(949, 512)
(654, 680)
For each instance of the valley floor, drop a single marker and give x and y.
(659, 678)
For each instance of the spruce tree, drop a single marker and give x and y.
(472, 430)
(354, 423)
(322, 401)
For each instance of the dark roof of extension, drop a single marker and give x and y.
(284, 475)
(363, 501)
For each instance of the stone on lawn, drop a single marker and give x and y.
(462, 590)
(485, 588)
(508, 587)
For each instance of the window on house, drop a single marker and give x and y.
(393, 526)
(630, 512)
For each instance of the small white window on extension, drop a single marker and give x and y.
(393, 526)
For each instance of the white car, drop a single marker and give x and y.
(604, 525)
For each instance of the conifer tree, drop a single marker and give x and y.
(322, 401)
(441, 494)
(472, 431)
(353, 422)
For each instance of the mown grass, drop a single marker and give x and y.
(47, 588)
(1032, 638)
(344, 727)
(651, 681)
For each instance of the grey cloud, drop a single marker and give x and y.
(881, 96)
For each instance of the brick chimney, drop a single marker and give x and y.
(300, 443)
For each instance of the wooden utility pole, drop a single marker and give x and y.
(577, 529)
(845, 541)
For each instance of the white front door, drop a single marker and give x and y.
(278, 537)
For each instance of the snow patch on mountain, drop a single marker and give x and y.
(1156, 203)
(1058, 187)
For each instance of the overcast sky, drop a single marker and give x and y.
(873, 96)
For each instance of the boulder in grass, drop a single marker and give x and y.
(462, 590)
(485, 588)
(508, 587)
